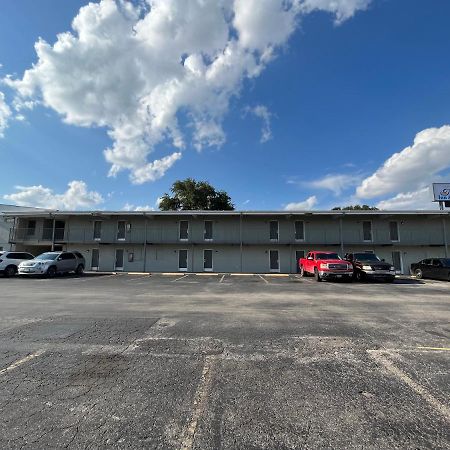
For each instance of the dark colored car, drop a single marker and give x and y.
(368, 266)
(437, 268)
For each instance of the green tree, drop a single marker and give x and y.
(356, 208)
(190, 194)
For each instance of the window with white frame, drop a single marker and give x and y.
(299, 230)
(208, 231)
(367, 230)
(274, 230)
(393, 231)
(184, 230)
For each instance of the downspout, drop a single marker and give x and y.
(145, 242)
(444, 231)
(53, 234)
(240, 239)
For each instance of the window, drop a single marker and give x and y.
(208, 232)
(299, 230)
(95, 259)
(274, 230)
(182, 260)
(121, 230)
(130, 256)
(31, 228)
(393, 231)
(274, 261)
(367, 231)
(97, 230)
(47, 231)
(184, 230)
(67, 256)
(60, 226)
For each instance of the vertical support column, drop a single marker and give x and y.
(240, 239)
(145, 243)
(444, 232)
(341, 235)
(53, 234)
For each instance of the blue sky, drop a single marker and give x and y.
(308, 117)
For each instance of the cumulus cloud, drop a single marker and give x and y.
(263, 113)
(77, 196)
(337, 183)
(305, 205)
(148, 71)
(5, 113)
(130, 207)
(419, 200)
(412, 169)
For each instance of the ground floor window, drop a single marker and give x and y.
(274, 261)
(95, 259)
(119, 259)
(182, 260)
(207, 260)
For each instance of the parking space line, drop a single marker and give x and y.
(262, 278)
(438, 349)
(21, 361)
(221, 280)
(180, 278)
(200, 399)
(380, 357)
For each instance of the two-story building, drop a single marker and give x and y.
(229, 241)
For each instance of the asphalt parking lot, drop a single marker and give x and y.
(223, 362)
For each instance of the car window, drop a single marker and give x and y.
(66, 256)
(437, 263)
(13, 256)
(426, 262)
(29, 256)
(78, 254)
(327, 256)
(47, 256)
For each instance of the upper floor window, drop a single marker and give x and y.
(274, 230)
(121, 225)
(367, 230)
(97, 230)
(31, 228)
(208, 232)
(393, 231)
(299, 230)
(184, 230)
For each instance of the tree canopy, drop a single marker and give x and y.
(355, 208)
(190, 194)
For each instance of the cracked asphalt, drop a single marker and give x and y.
(133, 361)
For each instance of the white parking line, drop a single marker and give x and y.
(184, 276)
(21, 361)
(262, 278)
(221, 280)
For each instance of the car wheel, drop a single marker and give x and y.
(10, 271)
(360, 276)
(80, 269)
(418, 273)
(316, 275)
(51, 271)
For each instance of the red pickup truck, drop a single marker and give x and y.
(325, 265)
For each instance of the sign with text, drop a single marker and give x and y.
(441, 192)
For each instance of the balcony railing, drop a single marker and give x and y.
(160, 235)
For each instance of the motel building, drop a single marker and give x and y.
(227, 241)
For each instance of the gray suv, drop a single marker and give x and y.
(51, 263)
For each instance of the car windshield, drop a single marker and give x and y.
(366, 257)
(446, 262)
(47, 256)
(327, 256)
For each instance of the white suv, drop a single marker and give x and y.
(51, 263)
(9, 262)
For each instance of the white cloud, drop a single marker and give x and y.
(130, 207)
(344, 9)
(5, 113)
(77, 196)
(420, 199)
(133, 67)
(265, 115)
(306, 205)
(337, 183)
(413, 168)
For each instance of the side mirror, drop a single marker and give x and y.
(310, 257)
(59, 258)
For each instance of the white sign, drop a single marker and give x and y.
(441, 192)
